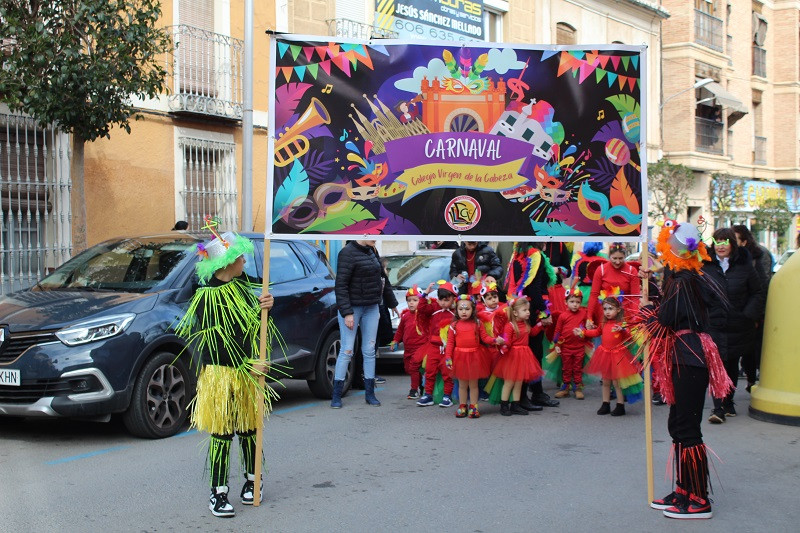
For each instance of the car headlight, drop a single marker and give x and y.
(95, 329)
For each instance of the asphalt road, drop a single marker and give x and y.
(399, 468)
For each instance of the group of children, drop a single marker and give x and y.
(484, 345)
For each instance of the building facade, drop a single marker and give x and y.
(739, 130)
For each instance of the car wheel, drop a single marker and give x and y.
(161, 395)
(322, 386)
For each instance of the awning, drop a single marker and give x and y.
(726, 99)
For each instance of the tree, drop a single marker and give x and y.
(774, 215)
(727, 198)
(669, 187)
(76, 63)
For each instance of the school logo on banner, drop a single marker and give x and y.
(462, 213)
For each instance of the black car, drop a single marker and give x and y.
(96, 336)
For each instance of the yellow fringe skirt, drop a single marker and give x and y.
(227, 400)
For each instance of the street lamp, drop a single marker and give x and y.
(697, 85)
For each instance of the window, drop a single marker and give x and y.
(284, 265)
(566, 34)
(315, 258)
(706, 6)
(34, 201)
(208, 182)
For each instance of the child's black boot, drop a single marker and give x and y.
(504, 409)
(516, 409)
(604, 409)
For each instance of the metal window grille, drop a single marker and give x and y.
(352, 29)
(35, 231)
(209, 182)
(708, 30)
(708, 135)
(760, 150)
(759, 61)
(206, 69)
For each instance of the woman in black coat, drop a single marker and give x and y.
(746, 295)
(360, 287)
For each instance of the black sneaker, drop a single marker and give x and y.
(729, 409)
(673, 499)
(218, 503)
(379, 380)
(604, 409)
(692, 508)
(413, 394)
(248, 490)
(543, 400)
(717, 416)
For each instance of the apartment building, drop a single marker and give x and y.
(183, 159)
(738, 125)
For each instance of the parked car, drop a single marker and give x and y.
(782, 260)
(96, 337)
(406, 270)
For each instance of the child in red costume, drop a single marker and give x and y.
(612, 360)
(466, 340)
(413, 333)
(517, 364)
(614, 273)
(569, 346)
(440, 315)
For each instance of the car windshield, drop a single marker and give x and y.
(408, 270)
(128, 265)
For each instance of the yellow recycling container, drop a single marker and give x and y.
(776, 398)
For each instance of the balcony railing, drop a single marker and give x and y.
(206, 71)
(708, 135)
(707, 30)
(759, 61)
(352, 29)
(760, 151)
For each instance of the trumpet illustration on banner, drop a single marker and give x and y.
(291, 144)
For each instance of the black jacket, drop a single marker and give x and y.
(486, 261)
(359, 279)
(746, 294)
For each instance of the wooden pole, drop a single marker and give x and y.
(648, 392)
(262, 356)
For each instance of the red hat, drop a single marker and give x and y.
(414, 291)
(593, 265)
(446, 285)
(574, 291)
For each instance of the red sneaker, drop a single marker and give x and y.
(673, 499)
(694, 507)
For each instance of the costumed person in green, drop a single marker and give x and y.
(223, 325)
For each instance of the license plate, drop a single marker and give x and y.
(9, 377)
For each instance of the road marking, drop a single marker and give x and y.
(85, 455)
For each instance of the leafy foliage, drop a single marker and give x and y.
(77, 62)
(669, 187)
(727, 198)
(773, 215)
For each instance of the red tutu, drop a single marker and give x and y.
(518, 364)
(471, 363)
(612, 364)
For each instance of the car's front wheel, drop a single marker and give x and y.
(161, 396)
(322, 385)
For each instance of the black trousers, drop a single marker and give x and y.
(732, 369)
(219, 456)
(537, 347)
(690, 384)
(685, 415)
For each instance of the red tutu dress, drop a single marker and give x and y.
(612, 360)
(518, 362)
(471, 359)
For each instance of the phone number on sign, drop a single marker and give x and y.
(407, 27)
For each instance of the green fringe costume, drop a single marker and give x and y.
(223, 323)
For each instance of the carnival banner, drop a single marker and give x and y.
(410, 139)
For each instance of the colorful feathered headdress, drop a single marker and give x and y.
(614, 293)
(680, 246)
(220, 251)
